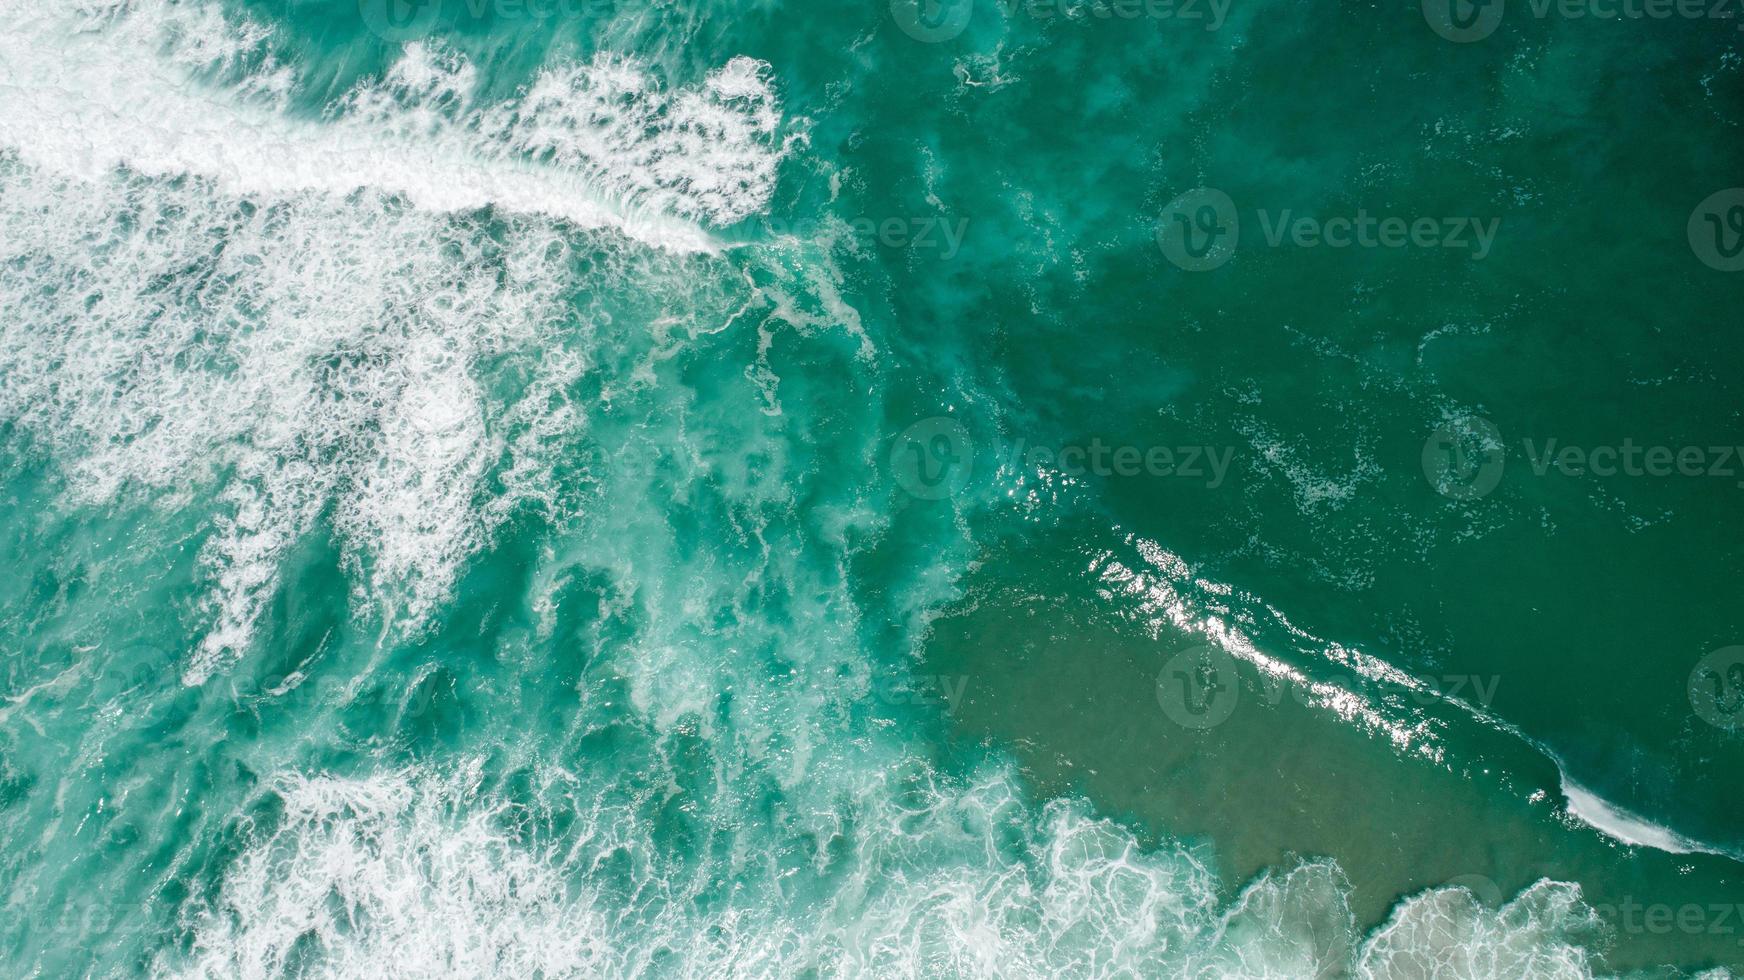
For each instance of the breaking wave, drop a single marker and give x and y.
(421, 317)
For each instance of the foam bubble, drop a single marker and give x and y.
(383, 877)
(419, 873)
(298, 356)
(1162, 592)
(604, 144)
(279, 326)
(206, 294)
(1619, 824)
(1447, 932)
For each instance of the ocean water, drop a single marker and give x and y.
(580, 488)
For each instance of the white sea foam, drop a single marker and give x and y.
(300, 356)
(310, 351)
(1447, 933)
(1619, 824)
(762, 835)
(1164, 592)
(204, 288)
(385, 878)
(1161, 591)
(421, 874)
(604, 144)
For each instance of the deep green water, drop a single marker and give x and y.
(591, 489)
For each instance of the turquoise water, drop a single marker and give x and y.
(587, 489)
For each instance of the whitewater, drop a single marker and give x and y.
(427, 341)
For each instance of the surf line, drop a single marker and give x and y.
(1619, 824)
